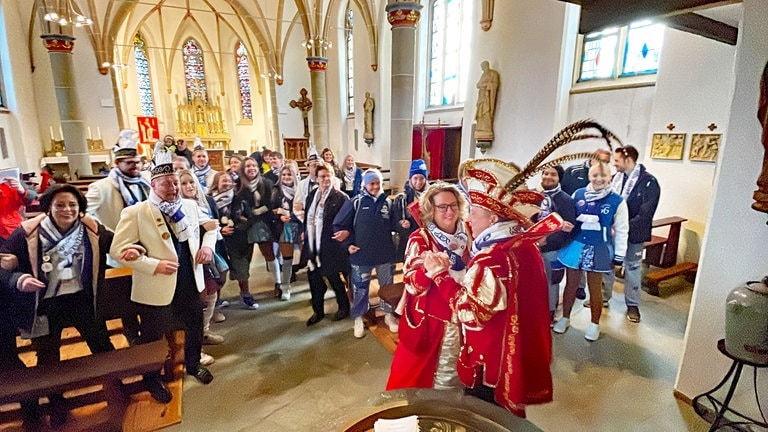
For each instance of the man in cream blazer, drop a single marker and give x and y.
(167, 279)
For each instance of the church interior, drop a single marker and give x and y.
(388, 81)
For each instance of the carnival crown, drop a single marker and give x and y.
(162, 161)
(500, 187)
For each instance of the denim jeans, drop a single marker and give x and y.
(554, 288)
(633, 269)
(361, 281)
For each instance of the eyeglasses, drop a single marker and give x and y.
(442, 208)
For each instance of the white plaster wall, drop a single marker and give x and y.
(525, 46)
(94, 91)
(295, 77)
(694, 88)
(20, 122)
(733, 250)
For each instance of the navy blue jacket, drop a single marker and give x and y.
(575, 177)
(562, 204)
(370, 225)
(642, 203)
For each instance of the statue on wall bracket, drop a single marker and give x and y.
(368, 106)
(487, 88)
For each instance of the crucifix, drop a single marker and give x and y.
(303, 104)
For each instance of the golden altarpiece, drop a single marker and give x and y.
(201, 119)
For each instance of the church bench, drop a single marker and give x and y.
(662, 252)
(92, 379)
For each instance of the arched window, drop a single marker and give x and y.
(244, 81)
(142, 76)
(447, 80)
(194, 72)
(350, 60)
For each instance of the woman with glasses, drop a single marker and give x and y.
(429, 339)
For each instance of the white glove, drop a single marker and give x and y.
(260, 211)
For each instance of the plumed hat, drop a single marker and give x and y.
(198, 145)
(126, 144)
(162, 161)
(500, 187)
(312, 155)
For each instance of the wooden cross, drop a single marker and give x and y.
(303, 104)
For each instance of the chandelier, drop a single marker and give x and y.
(64, 13)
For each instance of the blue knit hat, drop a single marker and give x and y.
(370, 175)
(418, 166)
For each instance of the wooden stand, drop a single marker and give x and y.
(662, 252)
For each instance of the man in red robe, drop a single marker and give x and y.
(502, 302)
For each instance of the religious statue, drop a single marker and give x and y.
(487, 87)
(761, 194)
(368, 107)
(303, 104)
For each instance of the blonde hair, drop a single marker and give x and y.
(427, 201)
(202, 202)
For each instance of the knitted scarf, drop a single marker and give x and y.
(455, 245)
(60, 251)
(496, 233)
(625, 188)
(314, 221)
(174, 215)
(349, 177)
(122, 182)
(548, 205)
(201, 173)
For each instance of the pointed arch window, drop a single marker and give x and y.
(244, 81)
(447, 78)
(194, 71)
(142, 76)
(350, 17)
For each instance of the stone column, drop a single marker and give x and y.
(60, 52)
(318, 62)
(403, 17)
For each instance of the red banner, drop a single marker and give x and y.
(149, 133)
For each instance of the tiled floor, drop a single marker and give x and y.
(274, 373)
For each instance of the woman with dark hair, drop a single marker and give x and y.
(252, 208)
(59, 283)
(328, 157)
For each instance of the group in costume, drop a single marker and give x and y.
(480, 259)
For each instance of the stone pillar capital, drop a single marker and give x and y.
(58, 43)
(403, 13)
(317, 64)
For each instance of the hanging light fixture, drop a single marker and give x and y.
(65, 13)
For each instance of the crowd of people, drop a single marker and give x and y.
(482, 260)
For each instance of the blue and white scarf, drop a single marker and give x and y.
(453, 244)
(123, 182)
(62, 257)
(174, 215)
(625, 188)
(201, 173)
(496, 233)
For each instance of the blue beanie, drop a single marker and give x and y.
(418, 166)
(370, 175)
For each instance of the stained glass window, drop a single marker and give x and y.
(619, 52)
(447, 80)
(194, 71)
(599, 56)
(244, 81)
(350, 63)
(142, 76)
(644, 40)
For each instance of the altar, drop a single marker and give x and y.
(200, 119)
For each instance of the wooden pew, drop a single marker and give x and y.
(662, 252)
(84, 374)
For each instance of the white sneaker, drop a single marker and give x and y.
(561, 325)
(210, 338)
(286, 295)
(218, 317)
(593, 332)
(359, 327)
(206, 360)
(392, 322)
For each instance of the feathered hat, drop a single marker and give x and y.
(500, 187)
(162, 161)
(126, 144)
(198, 145)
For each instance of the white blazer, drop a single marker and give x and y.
(144, 224)
(105, 203)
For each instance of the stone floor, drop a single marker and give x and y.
(273, 373)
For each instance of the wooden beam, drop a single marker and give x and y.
(703, 26)
(599, 14)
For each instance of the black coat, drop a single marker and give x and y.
(641, 204)
(334, 257)
(564, 206)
